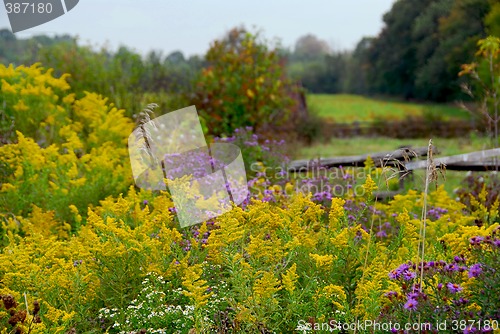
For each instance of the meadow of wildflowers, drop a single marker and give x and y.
(84, 251)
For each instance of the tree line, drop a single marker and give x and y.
(417, 55)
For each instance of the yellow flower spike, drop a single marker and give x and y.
(265, 247)
(7, 88)
(368, 294)
(74, 210)
(322, 260)
(265, 287)
(7, 72)
(6, 187)
(336, 212)
(195, 287)
(334, 293)
(474, 308)
(69, 99)
(290, 278)
(369, 187)
(369, 164)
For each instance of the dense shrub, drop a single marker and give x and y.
(67, 153)
(243, 85)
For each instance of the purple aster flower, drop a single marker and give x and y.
(411, 305)
(391, 294)
(475, 270)
(381, 234)
(403, 267)
(440, 286)
(412, 295)
(461, 301)
(409, 275)
(453, 287)
(476, 240)
(394, 274)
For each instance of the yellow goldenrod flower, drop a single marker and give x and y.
(336, 211)
(322, 260)
(370, 186)
(265, 287)
(195, 288)
(290, 278)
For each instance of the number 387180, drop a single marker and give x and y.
(26, 8)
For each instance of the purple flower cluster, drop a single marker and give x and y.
(488, 240)
(434, 213)
(254, 147)
(436, 267)
(403, 271)
(454, 287)
(475, 270)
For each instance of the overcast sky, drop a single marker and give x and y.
(190, 25)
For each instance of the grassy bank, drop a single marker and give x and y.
(351, 108)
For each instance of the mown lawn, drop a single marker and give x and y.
(351, 108)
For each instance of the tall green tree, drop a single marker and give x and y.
(422, 45)
(393, 53)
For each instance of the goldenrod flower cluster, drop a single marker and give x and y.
(80, 239)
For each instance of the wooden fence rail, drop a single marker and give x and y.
(389, 158)
(474, 161)
(486, 160)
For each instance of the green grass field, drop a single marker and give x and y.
(362, 145)
(350, 108)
